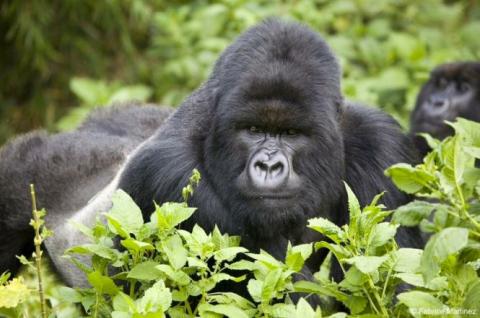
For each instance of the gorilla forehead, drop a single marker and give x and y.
(279, 53)
(465, 70)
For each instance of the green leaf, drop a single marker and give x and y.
(177, 276)
(145, 271)
(171, 214)
(95, 249)
(90, 92)
(320, 289)
(123, 303)
(139, 93)
(420, 300)
(157, 299)
(327, 228)
(381, 234)
(266, 259)
(269, 287)
(304, 310)
(297, 255)
(472, 297)
(126, 213)
(136, 246)
(408, 178)
(230, 311)
(408, 260)
(356, 304)
(228, 253)
(102, 284)
(175, 251)
(412, 279)
(447, 242)
(470, 130)
(366, 264)
(432, 142)
(413, 213)
(354, 210)
(254, 288)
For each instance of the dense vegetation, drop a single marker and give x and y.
(163, 270)
(59, 59)
(57, 55)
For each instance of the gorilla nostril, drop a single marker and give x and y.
(276, 168)
(261, 166)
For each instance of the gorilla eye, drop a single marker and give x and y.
(292, 132)
(256, 130)
(464, 87)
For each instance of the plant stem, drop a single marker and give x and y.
(38, 251)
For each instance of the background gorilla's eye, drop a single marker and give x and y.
(255, 129)
(292, 132)
(463, 87)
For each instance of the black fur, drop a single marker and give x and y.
(272, 63)
(453, 90)
(67, 169)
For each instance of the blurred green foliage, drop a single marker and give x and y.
(161, 50)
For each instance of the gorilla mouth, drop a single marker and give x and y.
(274, 197)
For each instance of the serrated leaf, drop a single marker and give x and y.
(95, 249)
(447, 242)
(353, 209)
(327, 228)
(381, 234)
(418, 299)
(156, 299)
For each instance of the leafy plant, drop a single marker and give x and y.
(162, 270)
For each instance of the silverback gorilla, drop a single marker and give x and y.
(67, 170)
(452, 91)
(273, 140)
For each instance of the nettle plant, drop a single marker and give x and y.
(162, 270)
(446, 273)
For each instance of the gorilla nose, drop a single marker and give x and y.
(268, 170)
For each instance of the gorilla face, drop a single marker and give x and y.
(275, 151)
(451, 92)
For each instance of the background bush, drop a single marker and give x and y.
(60, 58)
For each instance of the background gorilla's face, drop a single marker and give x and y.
(452, 91)
(276, 151)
